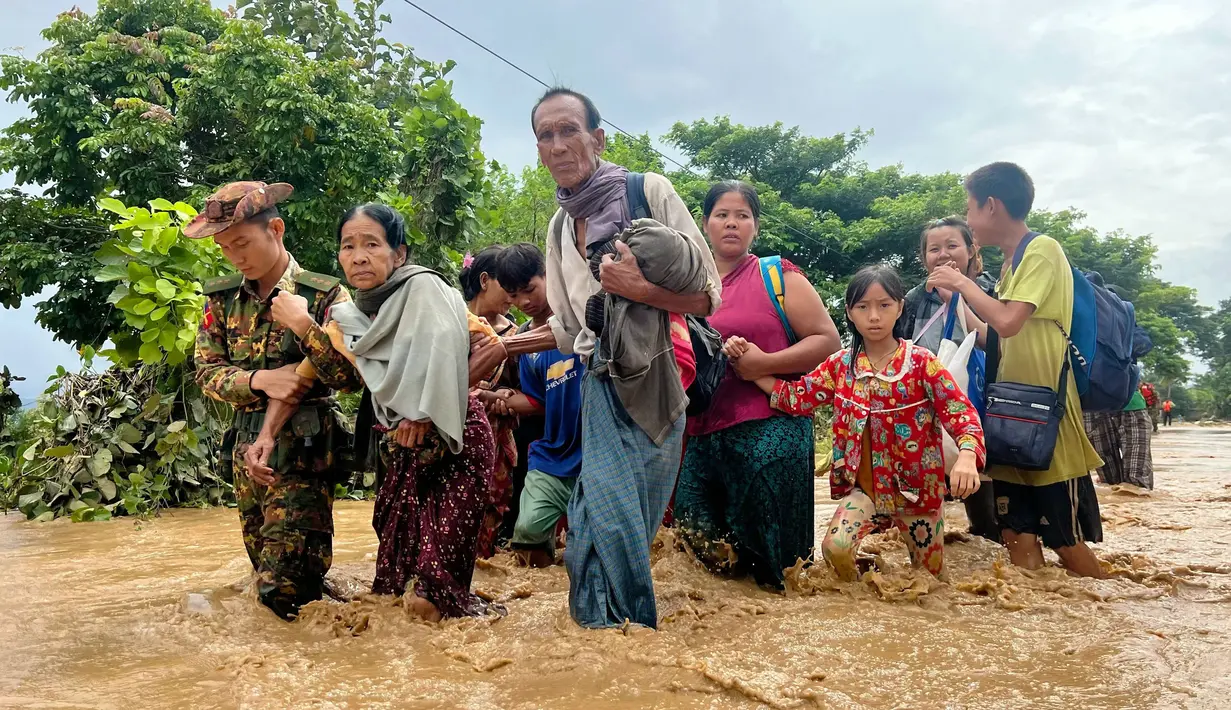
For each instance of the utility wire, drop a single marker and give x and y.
(802, 235)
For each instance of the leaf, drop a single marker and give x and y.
(113, 205)
(149, 336)
(107, 487)
(161, 204)
(83, 515)
(151, 406)
(30, 452)
(111, 272)
(100, 463)
(68, 423)
(144, 307)
(176, 426)
(127, 447)
(45, 517)
(185, 211)
(165, 289)
(150, 353)
(28, 500)
(129, 433)
(159, 313)
(101, 514)
(59, 452)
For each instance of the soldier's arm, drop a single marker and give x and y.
(216, 376)
(329, 365)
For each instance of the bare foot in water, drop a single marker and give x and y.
(424, 609)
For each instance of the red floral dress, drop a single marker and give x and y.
(905, 406)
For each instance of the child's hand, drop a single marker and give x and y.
(767, 384)
(735, 347)
(964, 478)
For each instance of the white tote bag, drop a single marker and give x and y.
(955, 357)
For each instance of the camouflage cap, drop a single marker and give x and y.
(233, 203)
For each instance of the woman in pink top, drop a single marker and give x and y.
(744, 497)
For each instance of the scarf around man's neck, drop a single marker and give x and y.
(602, 200)
(371, 299)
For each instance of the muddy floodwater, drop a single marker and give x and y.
(145, 615)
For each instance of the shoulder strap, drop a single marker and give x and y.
(222, 283)
(1021, 248)
(775, 286)
(319, 282)
(955, 302)
(638, 205)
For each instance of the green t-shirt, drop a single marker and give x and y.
(1034, 357)
(1137, 403)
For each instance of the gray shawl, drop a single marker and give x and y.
(637, 338)
(602, 201)
(413, 355)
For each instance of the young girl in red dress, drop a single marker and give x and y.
(890, 400)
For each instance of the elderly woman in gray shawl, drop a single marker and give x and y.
(409, 335)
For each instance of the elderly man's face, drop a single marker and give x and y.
(566, 147)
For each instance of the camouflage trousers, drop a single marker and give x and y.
(288, 530)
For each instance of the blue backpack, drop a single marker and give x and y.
(1101, 347)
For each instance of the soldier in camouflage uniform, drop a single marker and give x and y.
(245, 358)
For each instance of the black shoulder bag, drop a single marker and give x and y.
(1022, 421)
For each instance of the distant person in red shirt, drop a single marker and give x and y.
(1151, 396)
(1167, 407)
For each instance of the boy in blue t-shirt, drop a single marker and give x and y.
(551, 388)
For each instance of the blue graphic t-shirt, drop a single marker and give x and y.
(553, 379)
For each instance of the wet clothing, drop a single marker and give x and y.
(1034, 356)
(529, 430)
(744, 501)
(614, 514)
(626, 481)
(856, 518)
(749, 486)
(921, 323)
(500, 493)
(1060, 514)
(1138, 460)
(428, 513)
(905, 406)
(287, 527)
(544, 500)
(553, 380)
(1122, 440)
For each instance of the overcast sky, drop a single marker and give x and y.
(1116, 107)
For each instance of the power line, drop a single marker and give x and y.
(802, 235)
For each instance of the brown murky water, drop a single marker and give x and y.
(97, 615)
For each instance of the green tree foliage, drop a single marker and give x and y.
(42, 244)
(148, 99)
(158, 274)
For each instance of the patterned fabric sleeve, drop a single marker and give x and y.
(216, 376)
(957, 415)
(789, 267)
(800, 397)
(332, 368)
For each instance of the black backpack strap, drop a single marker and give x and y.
(638, 206)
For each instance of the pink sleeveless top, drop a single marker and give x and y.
(748, 312)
